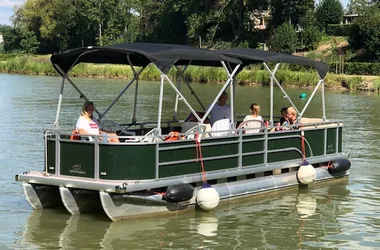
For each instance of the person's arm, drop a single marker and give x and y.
(82, 131)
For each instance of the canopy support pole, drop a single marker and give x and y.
(323, 101)
(136, 76)
(121, 93)
(282, 89)
(179, 80)
(160, 103)
(56, 124)
(180, 95)
(227, 67)
(64, 76)
(311, 98)
(191, 89)
(272, 76)
(230, 78)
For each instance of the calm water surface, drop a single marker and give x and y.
(338, 215)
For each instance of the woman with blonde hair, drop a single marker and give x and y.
(87, 123)
(254, 122)
(292, 116)
(255, 113)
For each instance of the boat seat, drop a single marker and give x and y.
(186, 126)
(252, 126)
(221, 128)
(151, 136)
(111, 126)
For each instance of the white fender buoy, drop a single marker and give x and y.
(208, 198)
(306, 174)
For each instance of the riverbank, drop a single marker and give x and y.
(40, 65)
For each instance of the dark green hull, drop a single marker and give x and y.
(167, 159)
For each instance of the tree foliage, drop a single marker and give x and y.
(283, 39)
(328, 12)
(357, 6)
(366, 33)
(40, 26)
(62, 24)
(311, 36)
(291, 11)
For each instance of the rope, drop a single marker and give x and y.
(329, 165)
(200, 157)
(303, 145)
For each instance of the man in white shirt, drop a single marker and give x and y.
(221, 110)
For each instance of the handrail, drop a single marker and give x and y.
(238, 137)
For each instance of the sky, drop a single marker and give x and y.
(6, 9)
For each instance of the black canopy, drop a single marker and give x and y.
(140, 54)
(252, 56)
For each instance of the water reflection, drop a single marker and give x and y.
(262, 222)
(306, 204)
(207, 224)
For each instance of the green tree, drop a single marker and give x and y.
(104, 22)
(290, 11)
(222, 21)
(46, 21)
(4, 28)
(329, 12)
(11, 40)
(366, 33)
(283, 39)
(311, 36)
(29, 42)
(359, 6)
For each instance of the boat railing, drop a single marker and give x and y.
(234, 150)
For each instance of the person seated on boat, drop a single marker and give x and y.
(255, 113)
(252, 122)
(191, 117)
(87, 123)
(284, 115)
(221, 109)
(291, 119)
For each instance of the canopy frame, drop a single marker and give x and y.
(300, 113)
(163, 77)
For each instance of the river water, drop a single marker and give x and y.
(338, 215)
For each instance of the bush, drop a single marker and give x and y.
(6, 57)
(339, 29)
(358, 68)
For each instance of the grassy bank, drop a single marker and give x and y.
(40, 65)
